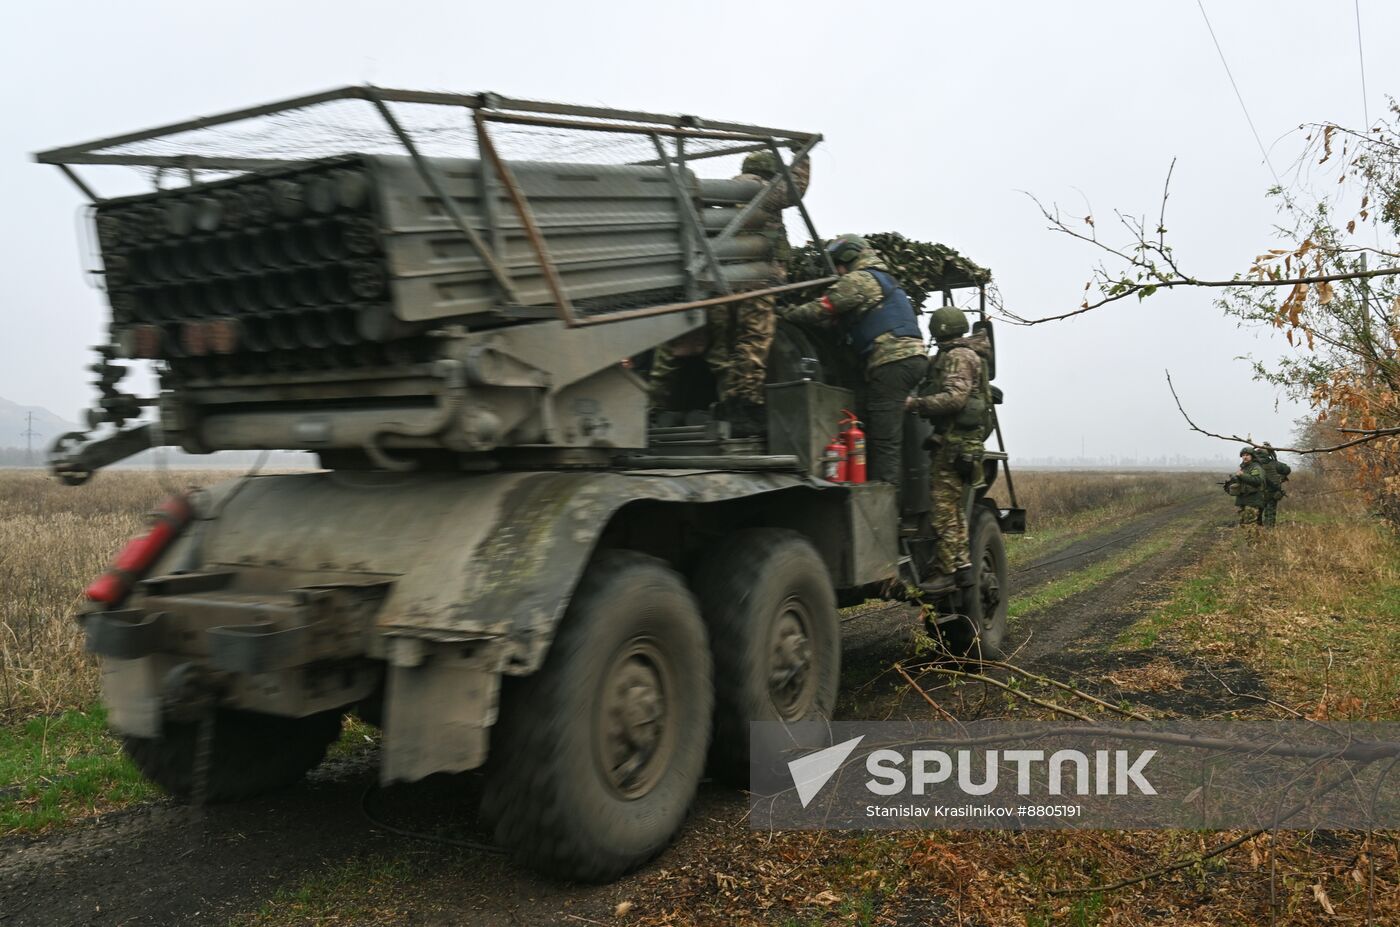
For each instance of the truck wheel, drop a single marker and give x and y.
(983, 632)
(252, 754)
(597, 756)
(776, 637)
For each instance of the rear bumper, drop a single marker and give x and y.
(292, 653)
(311, 649)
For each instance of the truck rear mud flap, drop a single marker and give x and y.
(1011, 521)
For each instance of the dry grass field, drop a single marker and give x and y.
(1062, 504)
(1053, 497)
(54, 539)
(1314, 606)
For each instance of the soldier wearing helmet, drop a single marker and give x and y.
(880, 326)
(738, 335)
(1251, 482)
(956, 398)
(1275, 475)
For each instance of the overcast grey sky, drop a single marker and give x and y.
(936, 116)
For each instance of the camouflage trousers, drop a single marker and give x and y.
(1268, 515)
(739, 336)
(1251, 516)
(947, 488)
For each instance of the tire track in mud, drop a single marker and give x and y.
(874, 639)
(151, 866)
(1096, 615)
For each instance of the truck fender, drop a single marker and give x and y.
(473, 556)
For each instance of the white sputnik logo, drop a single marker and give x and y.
(811, 772)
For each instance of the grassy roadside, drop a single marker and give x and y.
(1313, 606)
(1058, 590)
(60, 770)
(57, 769)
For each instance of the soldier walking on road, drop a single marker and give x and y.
(882, 327)
(1250, 500)
(956, 397)
(741, 333)
(1275, 475)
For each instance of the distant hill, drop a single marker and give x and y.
(14, 422)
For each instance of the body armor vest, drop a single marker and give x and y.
(895, 315)
(975, 419)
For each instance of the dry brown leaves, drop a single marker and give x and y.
(1157, 676)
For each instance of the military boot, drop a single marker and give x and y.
(943, 583)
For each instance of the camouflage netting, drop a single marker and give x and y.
(353, 126)
(922, 267)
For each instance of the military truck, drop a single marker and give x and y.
(447, 298)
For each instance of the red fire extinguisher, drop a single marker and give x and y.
(854, 440)
(835, 464)
(137, 557)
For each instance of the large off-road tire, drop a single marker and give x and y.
(597, 756)
(252, 753)
(776, 638)
(981, 634)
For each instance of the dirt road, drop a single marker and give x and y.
(154, 865)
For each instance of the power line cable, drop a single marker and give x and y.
(1361, 56)
(1365, 106)
(1238, 96)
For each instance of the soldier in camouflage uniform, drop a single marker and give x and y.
(881, 326)
(1250, 499)
(1275, 475)
(956, 397)
(740, 334)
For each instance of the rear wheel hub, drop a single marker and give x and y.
(791, 683)
(636, 738)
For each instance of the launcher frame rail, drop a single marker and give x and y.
(485, 109)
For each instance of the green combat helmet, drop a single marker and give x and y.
(762, 163)
(844, 249)
(947, 322)
(1250, 451)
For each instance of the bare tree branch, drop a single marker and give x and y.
(1190, 861)
(1152, 261)
(1170, 282)
(1367, 435)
